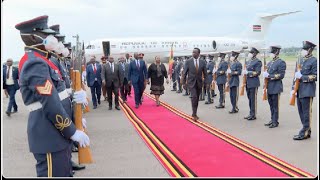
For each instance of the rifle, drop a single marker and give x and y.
(213, 87)
(228, 77)
(244, 81)
(264, 97)
(296, 84)
(84, 154)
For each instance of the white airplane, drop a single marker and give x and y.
(254, 36)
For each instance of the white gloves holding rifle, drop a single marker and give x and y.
(265, 74)
(81, 138)
(298, 75)
(80, 97)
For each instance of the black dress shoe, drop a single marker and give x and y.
(136, 106)
(76, 166)
(99, 102)
(299, 137)
(195, 118)
(252, 118)
(185, 94)
(268, 124)
(14, 111)
(110, 108)
(173, 89)
(247, 117)
(232, 112)
(214, 95)
(273, 125)
(94, 107)
(73, 172)
(220, 106)
(105, 99)
(117, 108)
(8, 113)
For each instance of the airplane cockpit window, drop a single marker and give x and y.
(92, 47)
(88, 47)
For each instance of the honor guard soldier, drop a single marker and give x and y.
(221, 79)
(209, 79)
(253, 71)
(235, 71)
(50, 128)
(307, 89)
(174, 80)
(276, 70)
(178, 74)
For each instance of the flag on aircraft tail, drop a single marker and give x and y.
(256, 28)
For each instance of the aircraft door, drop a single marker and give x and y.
(106, 48)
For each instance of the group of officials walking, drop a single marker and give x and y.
(46, 89)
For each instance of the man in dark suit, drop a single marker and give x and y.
(137, 76)
(11, 85)
(110, 76)
(94, 80)
(194, 69)
(124, 70)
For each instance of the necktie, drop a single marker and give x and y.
(94, 68)
(123, 67)
(8, 71)
(138, 64)
(197, 65)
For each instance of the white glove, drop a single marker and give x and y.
(81, 138)
(265, 74)
(80, 97)
(214, 70)
(84, 123)
(291, 93)
(69, 91)
(245, 72)
(229, 71)
(298, 75)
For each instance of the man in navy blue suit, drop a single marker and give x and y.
(11, 85)
(137, 77)
(94, 80)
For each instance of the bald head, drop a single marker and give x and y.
(136, 55)
(110, 59)
(9, 62)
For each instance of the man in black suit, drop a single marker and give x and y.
(11, 85)
(110, 76)
(195, 68)
(124, 71)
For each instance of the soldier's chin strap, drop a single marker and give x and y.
(35, 45)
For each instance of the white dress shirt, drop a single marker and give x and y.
(9, 81)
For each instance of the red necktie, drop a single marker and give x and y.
(94, 69)
(8, 72)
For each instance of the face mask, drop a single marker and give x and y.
(65, 52)
(50, 42)
(59, 48)
(250, 55)
(39, 39)
(304, 53)
(271, 55)
(232, 58)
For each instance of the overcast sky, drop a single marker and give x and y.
(93, 19)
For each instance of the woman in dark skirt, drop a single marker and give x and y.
(157, 72)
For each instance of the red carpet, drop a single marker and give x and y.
(188, 149)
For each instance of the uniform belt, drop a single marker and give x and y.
(37, 105)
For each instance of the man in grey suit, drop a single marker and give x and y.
(194, 68)
(124, 71)
(110, 76)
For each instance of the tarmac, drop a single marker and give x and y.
(118, 150)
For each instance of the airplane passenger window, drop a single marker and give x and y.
(154, 46)
(204, 46)
(125, 47)
(167, 46)
(133, 47)
(150, 46)
(137, 46)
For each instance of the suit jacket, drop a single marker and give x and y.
(276, 70)
(15, 77)
(194, 77)
(254, 71)
(111, 77)
(124, 73)
(136, 74)
(236, 69)
(308, 80)
(91, 76)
